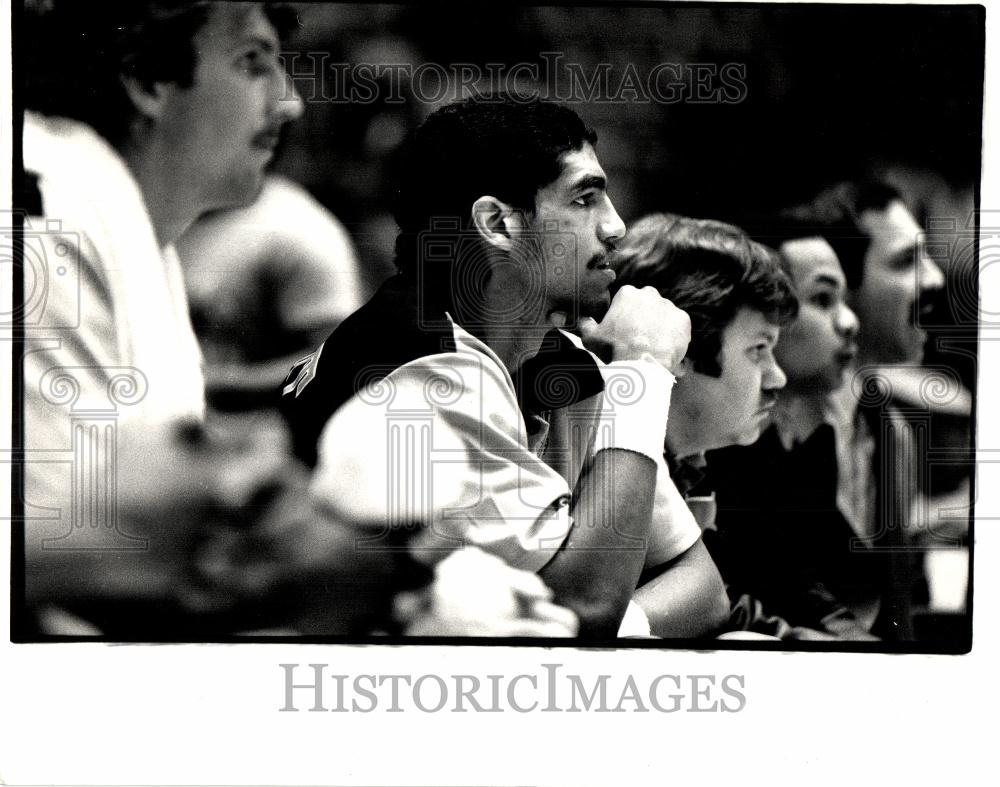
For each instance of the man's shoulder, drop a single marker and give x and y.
(389, 332)
(761, 457)
(394, 336)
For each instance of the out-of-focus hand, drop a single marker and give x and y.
(171, 474)
(847, 634)
(478, 595)
(195, 493)
(640, 322)
(941, 519)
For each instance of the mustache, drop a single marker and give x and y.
(273, 137)
(599, 259)
(927, 303)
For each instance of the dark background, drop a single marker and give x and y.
(832, 92)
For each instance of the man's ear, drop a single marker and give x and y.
(496, 221)
(148, 99)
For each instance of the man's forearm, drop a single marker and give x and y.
(687, 598)
(597, 568)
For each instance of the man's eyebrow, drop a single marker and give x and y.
(906, 254)
(268, 44)
(827, 279)
(590, 182)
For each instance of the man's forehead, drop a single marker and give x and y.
(891, 231)
(237, 22)
(810, 258)
(579, 165)
(750, 324)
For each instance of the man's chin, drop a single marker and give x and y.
(753, 433)
(912, 353)
(919, 346)
(596, 308)
(240, 192)
(833, 381)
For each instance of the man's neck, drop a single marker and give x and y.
(805, 398)
(867, 356)
(682, 441)
(171, 201)
(799, 413)
(514, 344)
(517, 334)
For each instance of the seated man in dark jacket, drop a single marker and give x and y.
(780, 534)
(813, 519)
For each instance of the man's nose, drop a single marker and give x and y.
(612, 228)
(289, 104)
(774, 377)
(931, 276)
(847, 321)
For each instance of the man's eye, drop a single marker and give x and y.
(584, 200)
(255, 63)
(822, 299)
(763, 351)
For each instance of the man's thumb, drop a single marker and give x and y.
(587, 326)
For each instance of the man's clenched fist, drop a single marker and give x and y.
(640, 322)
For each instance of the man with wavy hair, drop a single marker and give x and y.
(738, 299)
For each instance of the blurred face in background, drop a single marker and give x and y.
(898, 278)
(817, 348)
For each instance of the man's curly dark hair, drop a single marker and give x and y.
(495, 145)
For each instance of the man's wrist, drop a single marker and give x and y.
(635, 406)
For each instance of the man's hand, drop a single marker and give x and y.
(640, 323)
(478, 595)
(197, 497)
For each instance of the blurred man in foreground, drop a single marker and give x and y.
(184, 104)
(141, 521)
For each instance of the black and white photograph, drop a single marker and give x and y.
(372, 364)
